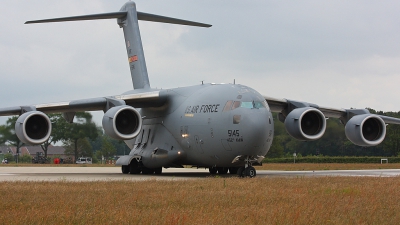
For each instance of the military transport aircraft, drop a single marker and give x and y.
(223, 127)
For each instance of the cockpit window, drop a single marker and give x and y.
(227, 106)
(259, 105)
(236, 104)
(253, 105)
(247, 105)
(231, 105)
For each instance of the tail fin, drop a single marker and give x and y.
(128, 20)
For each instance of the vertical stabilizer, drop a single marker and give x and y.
(128, 20)
(134, 46)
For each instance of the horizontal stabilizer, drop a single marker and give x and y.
(118, 15)
(113, 15)
(164, 19)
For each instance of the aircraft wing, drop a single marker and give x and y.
(138, 100)
(285, 106)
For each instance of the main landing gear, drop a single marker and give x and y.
(243, 171)
(136, 168)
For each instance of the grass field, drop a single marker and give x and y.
(325, 200)
(327, 166)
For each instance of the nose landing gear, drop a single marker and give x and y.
(247, 170)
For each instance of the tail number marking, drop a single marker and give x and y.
(233, 133)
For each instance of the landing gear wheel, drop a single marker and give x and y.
(146, 170)
(222, 170)
(158, 170)
(134, 170)
(250, 172)
(233, 170)
(213, 170)
(134, 167)
(240, 171)
(125, 169)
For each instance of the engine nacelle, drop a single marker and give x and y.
(305, 123)
(122, 122)
(33, 128)
(366, 130)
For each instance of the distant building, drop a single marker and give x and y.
(32, 150)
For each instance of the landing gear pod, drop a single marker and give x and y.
(122, 122)
(366, 130)
(33, 128)
(305, 124)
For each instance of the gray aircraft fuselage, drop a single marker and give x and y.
(209, 124)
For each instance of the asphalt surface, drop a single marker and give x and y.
(114, 173)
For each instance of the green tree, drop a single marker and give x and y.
(57, 121)
(8, 136)
(81, 147)
(74, 135)
(391, 144)
(107, 148)
(276, 150)
(120, 146)
(26, 158)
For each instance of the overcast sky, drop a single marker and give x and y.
(339, 54)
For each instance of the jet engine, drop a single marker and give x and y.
(305, 124)
(122, 122)
(33, 128)
(366, 130)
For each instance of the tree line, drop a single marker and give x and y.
(334, 141)
(80, 138)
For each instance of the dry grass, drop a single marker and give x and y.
(327, 166)
(327, 200)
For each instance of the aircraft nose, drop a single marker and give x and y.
(257, 127)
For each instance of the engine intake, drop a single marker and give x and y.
(33, 128)
(122, 122)
(366, 130)
(305, 123)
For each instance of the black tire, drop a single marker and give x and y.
(233, 170)
(134, 167)
(213, 170)
(146, 170)
(125, 169)
(135, 170)
(222, 170)
(250, 172)
(158, 170)
(240, 171)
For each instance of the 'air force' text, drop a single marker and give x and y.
(202, 109)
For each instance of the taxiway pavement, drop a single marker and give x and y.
(114, 173)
